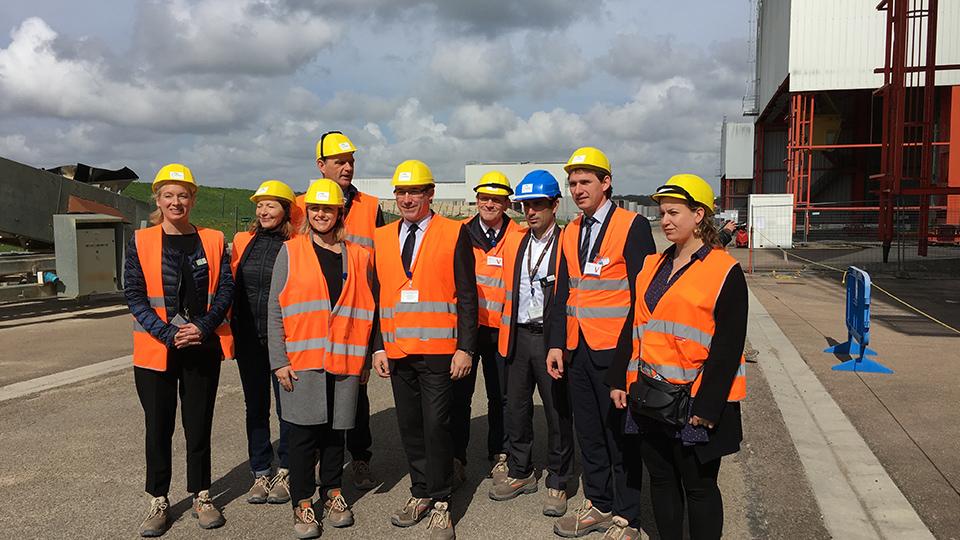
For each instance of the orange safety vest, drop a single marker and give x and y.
(240, 242)
(598, 305)
(674, 340)
(511, 265)
(148, 351)
(361, 220)
(428, 323)
(490, 286)
(317, 336)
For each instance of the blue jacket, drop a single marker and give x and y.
(135, 290)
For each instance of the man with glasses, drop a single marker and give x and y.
(427, 293)
(602, 252)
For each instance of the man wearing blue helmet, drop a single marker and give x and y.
(529, 269)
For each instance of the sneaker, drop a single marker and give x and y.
(280, 488)
(259, 490)
(583, 522)
(512, 487)
(362, 478)
(621, 530)
(556, 503)
(156, 522)
(750, 354)
(305, 524)
(440, 526)
(336, 510)
(459, 473)
(411, 513)
(208, 517)
(500, 470)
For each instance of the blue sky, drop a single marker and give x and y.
(240, 90)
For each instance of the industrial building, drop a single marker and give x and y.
(856, 110)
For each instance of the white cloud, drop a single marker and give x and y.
(474, 121)
(475, 70)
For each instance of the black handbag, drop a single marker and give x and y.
(660, 400)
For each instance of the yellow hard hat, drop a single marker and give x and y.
(333, 143)
(688, 187)
(273, 189)
(494, 183)
(588, 157)
(412, 172)
(174, 172)
(324, 191)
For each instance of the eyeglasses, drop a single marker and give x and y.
(415, 193)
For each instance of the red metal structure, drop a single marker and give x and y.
(908, 92)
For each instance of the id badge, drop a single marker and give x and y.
(495, 261)
(409, 296)
(202, 261)
(535, 312)
(592, 269)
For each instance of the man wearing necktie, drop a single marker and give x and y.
(427, 294)
(602, 252)
(487, 230)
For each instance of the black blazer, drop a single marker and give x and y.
(518, 274)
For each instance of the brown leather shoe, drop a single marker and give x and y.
(583, 522)
(412, 512)
(157, 520)
(440, 526)
(337, 510)
(512, 487)
(280, 488)
(208, 516)
(500, 470)
(305, 524)
(621, 530)
(556, 503)
(259, 491)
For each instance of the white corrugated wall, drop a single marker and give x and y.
(773, 48)
(736, 152)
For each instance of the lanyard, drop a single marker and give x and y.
(532, 271)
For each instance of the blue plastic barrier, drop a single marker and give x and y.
(858, 327)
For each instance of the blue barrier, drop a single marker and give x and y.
(858, 327)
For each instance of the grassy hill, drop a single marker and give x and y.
(226, 209)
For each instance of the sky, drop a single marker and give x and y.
(240, 90)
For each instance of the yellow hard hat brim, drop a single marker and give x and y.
(494, 190)
(157, 184)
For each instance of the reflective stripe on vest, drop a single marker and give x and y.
(148, 351)
(674, 341)
(428, 326)
(316, 334)
(598, 305)
(490, 286)
(361, 220)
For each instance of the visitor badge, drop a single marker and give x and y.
(603, 262)
(494, 261)
(409, 296)
(202, 261)
(592, 269)
(535, 312)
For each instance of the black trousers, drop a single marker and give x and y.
(307, 443)
(494, 378)
(258, 382)
(675, 474)
(359, 439)
(422, 391)
(610, 483)
(527, 370)
(194, 378)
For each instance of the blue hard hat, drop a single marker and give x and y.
(538, 184)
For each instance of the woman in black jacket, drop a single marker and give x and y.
(253, 255)
(178, 285)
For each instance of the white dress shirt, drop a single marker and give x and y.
(421, 229)
(600, 215)
(530, 295)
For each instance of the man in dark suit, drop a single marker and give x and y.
(529, 270)
(602, 252)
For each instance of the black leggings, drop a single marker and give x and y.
(676, 472)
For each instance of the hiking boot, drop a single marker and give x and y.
(208, 517)
(511, 487)
(336, 510)
(459, 474)
(156, 522)
(556, 503)
(280, 488)
(440, 526)
(259, 490)
(621, 530)
(362, 478)
(411, 513)
(305, 524)
(500, 470)
(583, 522)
